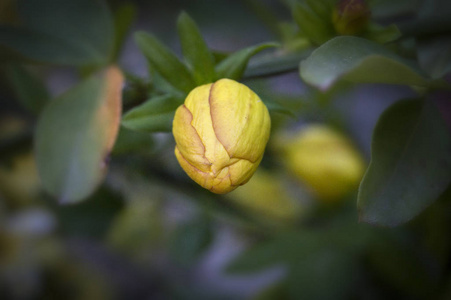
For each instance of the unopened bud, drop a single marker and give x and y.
(351, 17)
(325, 161)
(221, 133)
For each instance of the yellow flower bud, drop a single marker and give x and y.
(325, 161)
(221, 133)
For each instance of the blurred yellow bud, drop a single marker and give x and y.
(351, 17)
(221, 133)
(265, 197)
(20, 182)
(325, 161)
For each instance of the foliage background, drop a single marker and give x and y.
(143, 229)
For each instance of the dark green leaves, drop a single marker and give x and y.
(156, 114)
(358, 60)
(123, 19)
(173, 79)
(234, 65)
(201, 65)
(410, 165)
(29, 89)
(316, 27)
(195, 50)
(53, 32)
(381, 34)
(165, 62)
(277, 63)
(434, 55)
(75, 134)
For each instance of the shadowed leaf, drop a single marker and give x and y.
(165, 62)
(75, 134)
(154, 115)
(234, 65)
(410, 164)
(29, 89)
(358, 60)
(53, 32)
(195, 50)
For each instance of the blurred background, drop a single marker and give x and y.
(149, 232)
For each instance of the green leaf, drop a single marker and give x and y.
(277, 63)
(410, 165)
(55, 32)
(123, 19)
(274, 106)
(75, 134)
(358, 60)
(23, 44)
(154, 115)
(195, 50)
(129, 141)
(434, 55)
(165, 62)
(234, 65)
(312, 26)
(382, 34)
(29, 89)
(323, 9)
(219, 56)
(190, 240)
(159, 85)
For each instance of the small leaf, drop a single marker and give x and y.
(358, 60)
(382, 34)
(165, 62)
(154, 115)
(312, 26)
(277, 63)
(161, 85)
(274, 106)
(29, 89)
(410, 164)
(434, 55)
(123, 19)
(322, 8)
(75, 134)
(195, 50)
(54, 32)
(219, 56)
(234, 65)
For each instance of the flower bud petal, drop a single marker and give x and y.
(221, 132)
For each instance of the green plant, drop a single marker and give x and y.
(109, 125)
